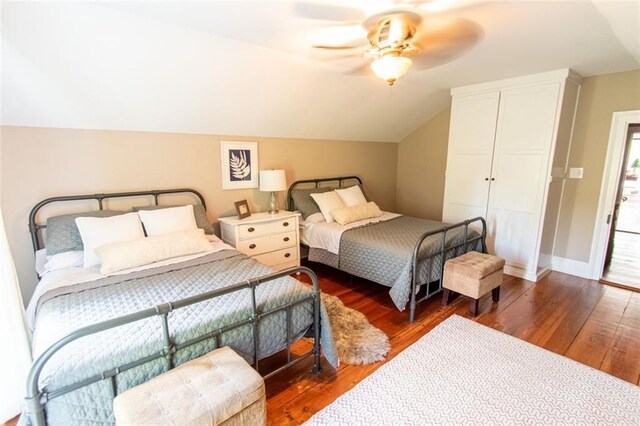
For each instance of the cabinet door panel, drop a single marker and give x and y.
(527, 118)
(519, 182)
(512, 235)
(470, 152)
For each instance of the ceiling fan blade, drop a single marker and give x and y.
(328, 12)
(346, 47)
(438, 44)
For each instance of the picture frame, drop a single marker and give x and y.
(242, 209)
(239, 161)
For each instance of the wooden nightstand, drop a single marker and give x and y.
(272, 239)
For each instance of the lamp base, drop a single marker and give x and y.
(273, 204)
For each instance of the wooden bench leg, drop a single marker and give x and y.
(495, 294)
(473, 306)
(446, 297)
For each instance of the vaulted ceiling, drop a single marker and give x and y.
(248, 68)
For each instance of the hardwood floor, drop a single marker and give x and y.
(592, 323)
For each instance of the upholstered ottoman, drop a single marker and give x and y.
(473, 274)
(219, 388)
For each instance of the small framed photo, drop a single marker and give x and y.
(239, 164)
(242, 209)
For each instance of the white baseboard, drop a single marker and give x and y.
(571, 267)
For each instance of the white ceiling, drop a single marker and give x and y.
(247, 68)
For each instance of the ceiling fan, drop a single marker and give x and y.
(400, 36)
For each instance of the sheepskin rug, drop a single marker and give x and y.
(357, 341)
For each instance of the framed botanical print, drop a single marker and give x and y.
(239, 164)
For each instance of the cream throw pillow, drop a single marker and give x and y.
(327, 201)
(352, 196)
(129, 254)
(98, 231)
(345, 215)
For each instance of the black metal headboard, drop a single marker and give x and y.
(34, 227)
(317, 183)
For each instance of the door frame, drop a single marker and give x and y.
(610, 179)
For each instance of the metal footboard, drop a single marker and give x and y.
(467, 244)
(37, 398)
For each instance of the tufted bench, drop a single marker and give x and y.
(473, 274)
(219, 388)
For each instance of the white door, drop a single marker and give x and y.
(524, 137)
(470, 152)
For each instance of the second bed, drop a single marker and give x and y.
(400, 252)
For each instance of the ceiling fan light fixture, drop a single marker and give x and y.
(391, 67)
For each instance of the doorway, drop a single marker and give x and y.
(623, 125)
(622, 258)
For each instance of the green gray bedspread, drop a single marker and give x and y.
(383, 251)
(79, 306)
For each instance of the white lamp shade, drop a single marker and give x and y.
(390, 68)
(273, 180)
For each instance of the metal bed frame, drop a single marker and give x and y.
(36, 398)
(457, 249)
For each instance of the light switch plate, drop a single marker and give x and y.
(576, 172)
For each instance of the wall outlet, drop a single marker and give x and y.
(576, 172)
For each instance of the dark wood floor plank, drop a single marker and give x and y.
(596, 336)
(622, 359)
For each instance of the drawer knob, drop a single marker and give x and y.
(251, 229)
(252, 246)
(286, 238)
(287, 254)
(285, 224)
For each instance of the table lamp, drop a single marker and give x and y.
(273, 180)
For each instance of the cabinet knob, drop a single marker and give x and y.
(252, 246)
(493, 179)
(287, 254)
(286, 238)
(285, 224)
(486, 179)
(251, 229)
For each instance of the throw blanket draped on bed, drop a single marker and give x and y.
(80, 305)
(382, 252)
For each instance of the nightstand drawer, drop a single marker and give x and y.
(252, 230)
(267, 243)
(280, 256)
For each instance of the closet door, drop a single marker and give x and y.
(470, 152)
(524, 139)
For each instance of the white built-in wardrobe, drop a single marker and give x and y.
(507, 161)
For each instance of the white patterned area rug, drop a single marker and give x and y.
(465, 373)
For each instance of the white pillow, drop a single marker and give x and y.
(98, 231)
(168, 221)
(352, 196)
(144, 251)
(328, 201)
(315, 218)
(67, 259)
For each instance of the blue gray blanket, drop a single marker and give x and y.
(81, 305)
(383, 251)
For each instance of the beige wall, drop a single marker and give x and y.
(40, 162)
(422, 160)
(600, 97)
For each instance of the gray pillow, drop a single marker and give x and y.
(202, 221)
(63, 234)
(303, 201)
